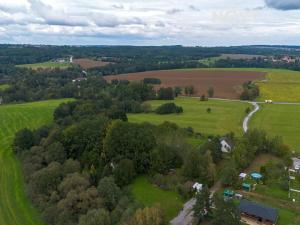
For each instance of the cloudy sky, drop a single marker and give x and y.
(150, 22)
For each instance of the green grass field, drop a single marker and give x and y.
(224, 117)
(46, 65)
(15, 208)
(282, 120)
(149, 195)
(3, 87)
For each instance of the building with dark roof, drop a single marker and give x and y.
(254, 213)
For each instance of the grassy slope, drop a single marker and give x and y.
(149, 195)
(46, 65)
(282, 120)
(15, 209)
(225, 116)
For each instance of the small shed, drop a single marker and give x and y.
(243, 176)
(296, 163)
(256, 176)
(246, 187)
(198, 187)
(228, 193)
(226, 145)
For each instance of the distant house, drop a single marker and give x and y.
(79, 79)
(226, 145)
(254, 213)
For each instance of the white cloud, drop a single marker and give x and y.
(197, 22)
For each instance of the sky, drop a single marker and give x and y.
(150, 22)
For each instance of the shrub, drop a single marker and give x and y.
(151, 80)
(169, 108)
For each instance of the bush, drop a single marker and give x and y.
(151, 80)
(169, 108)
(165, 94)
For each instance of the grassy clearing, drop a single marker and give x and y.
(149, 195)
(15, 209)
(224, 116)
(46, 65)
(282, 120)
(3, 87)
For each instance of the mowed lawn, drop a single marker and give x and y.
(225, 116)
(149, 195)
(15, 208)
(282, 120)
(46, 65)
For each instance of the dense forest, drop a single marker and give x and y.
(127, 59)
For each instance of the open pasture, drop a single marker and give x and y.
(282, 120)
(15, 208)
(225, 116)
(46, 65)
(226, 84)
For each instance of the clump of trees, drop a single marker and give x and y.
(250, 91)
(169, 108)
(151, 80)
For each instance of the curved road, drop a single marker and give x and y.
(249, 116)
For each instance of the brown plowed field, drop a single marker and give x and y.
(89, 63)
(227, 84)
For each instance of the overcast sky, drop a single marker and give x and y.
(150, 22)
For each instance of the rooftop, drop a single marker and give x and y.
(258, 210)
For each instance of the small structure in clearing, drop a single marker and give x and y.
(198, 187)
(226, 145)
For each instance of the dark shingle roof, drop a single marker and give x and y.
(258, 210)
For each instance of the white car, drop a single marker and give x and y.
(268, 101)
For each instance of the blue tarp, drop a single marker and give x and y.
(256, 175)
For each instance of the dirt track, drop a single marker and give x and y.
(227, 84)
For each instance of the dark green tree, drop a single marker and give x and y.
(226, 213)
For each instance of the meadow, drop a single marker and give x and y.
(225, 116)
(170, 202)
(3, 87)
(282, 120)
(15, 208)
(46, 65)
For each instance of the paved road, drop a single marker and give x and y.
(185, 217)
(249, 116)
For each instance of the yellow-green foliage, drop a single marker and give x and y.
(225, 116)
(15, 209)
